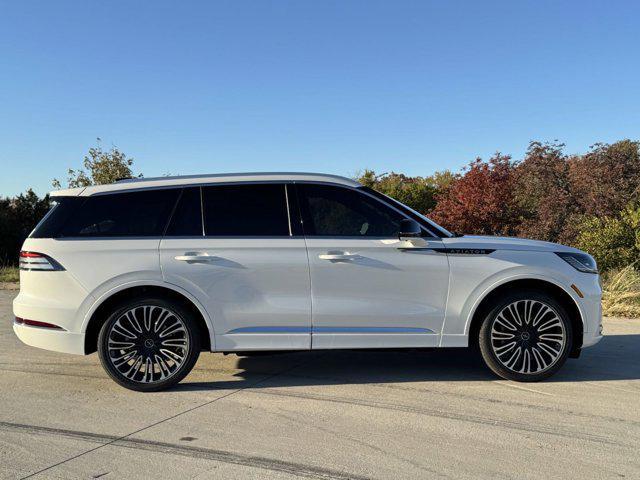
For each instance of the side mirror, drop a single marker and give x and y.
(409, 229)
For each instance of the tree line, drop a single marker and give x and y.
(591, 200)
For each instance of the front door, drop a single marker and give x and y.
(245, 265)
(368, 288)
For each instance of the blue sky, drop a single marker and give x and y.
(329, 86)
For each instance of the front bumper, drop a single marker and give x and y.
(589, 339)
(56, 340)
(590, 306)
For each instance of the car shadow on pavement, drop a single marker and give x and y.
(616, 357)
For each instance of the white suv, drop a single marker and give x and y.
(149, 272)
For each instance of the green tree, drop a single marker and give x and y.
(443, 180)
(418, 193)
(613, 241)
(100, 167)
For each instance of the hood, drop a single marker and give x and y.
(505, 243)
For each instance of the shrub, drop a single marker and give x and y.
(613, 241)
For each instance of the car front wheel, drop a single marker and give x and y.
(526, 337)
(148, 344)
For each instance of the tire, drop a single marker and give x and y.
(526, 337)
(148, 344)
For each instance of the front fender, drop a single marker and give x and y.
(473, 278)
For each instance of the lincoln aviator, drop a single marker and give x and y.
(150, 272)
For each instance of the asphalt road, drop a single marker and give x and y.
(339, 415)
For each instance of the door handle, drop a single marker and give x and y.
(197, 257)
(338, 256)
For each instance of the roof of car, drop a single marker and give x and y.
(184, 180)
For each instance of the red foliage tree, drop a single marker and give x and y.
(544, 193)
(607, 178)
(481, 201)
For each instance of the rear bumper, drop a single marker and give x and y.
(56, 340)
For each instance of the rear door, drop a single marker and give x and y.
(368, 288)
(233, 247)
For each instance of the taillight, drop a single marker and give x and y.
(38, 261)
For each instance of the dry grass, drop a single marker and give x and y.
(9, 274)
(621, 293)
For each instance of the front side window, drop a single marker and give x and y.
(129, 214)
(342, 212)
(249, 210)
(433, 228)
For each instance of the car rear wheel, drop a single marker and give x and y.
(148, 344)
(526, 337)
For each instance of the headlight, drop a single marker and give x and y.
(580, 261)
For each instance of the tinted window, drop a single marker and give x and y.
(52, 222)
(245, 210)
(122, 215)
(343, 212)
(429, 225)
(186, 220)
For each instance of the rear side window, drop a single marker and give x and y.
(53, 221)
(186, 220)
(245, 210)
(131, 214)
(343, 212)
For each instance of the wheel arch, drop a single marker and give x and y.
(99, 312)
(560, 294)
